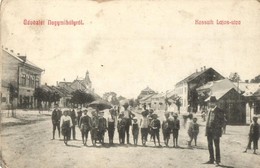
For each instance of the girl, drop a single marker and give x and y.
(65, 124)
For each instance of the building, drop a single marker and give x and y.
(23, 75)
(229, 97)
(83, 84)
(145, 92)
(186, 88)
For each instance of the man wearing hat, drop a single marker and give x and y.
(128, 115)
(214, 126)
(56, 115)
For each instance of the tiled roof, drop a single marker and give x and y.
(220, 93)
(19, 59)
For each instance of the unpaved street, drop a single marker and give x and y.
(31, 146)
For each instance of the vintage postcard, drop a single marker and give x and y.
(130, 83)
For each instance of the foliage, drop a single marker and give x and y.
(234, 77)
(111, 97)
(81, 97)
(256, 79)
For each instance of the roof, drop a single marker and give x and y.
(195, 75)
(146, 97)
(147, 89)
(220, 93)
(223, 84)
(248, 88)
(27, 62)
(159, 95)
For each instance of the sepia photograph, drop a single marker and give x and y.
(129, 83)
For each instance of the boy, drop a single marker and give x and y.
(165, 128)
(135, 130)
(102, 127)
(175, 130)
(85, 126)
(193, 131)
(155, 126)
(254, 134)
(121, 128)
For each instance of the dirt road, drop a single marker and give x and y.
(31, 146)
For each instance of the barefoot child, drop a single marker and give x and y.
(175, 130)
(135, 130)
(254, 134)
(156, 125)
(193, 131)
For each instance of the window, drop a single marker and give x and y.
(37, 83)
(33, 81)
(23, 80)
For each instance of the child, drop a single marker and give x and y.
(102, 127)
(135, 131)
(156, 125)
(85, 126)
(144, 124)
(111, 125)
(193, 131)
(175, 130)
(165, 128)
(65, 124)
(121, 128)
(254, 134)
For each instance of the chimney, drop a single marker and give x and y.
(204, 68)
(247, 81)
(196, 70)
(201, 69)
(45, 84)
(57, 83)
(18, 53)
(6, 48)
(12, 51)
(64, 80)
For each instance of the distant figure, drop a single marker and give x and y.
(166, 129)
(102, 127)
(55, 117)
(144, 124)
(253, 135)
(121, 128)
(65, 124)
(193, 131)
(85, 126)
(79, 114)
(150, 120)
(203, 115)
(94, 129)
(135, 130)
(155, 126)
(214, 126)
(73, 117)
(224, 124)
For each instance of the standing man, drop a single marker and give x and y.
(128, 115)
(55, 117)
(214, 126)
(79, 114)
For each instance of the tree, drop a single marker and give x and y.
(40, 95)
(256, 79)
(234, 77)
(13, 93)
(81, 97)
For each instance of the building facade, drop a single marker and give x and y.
(186, 88)
(23, 75)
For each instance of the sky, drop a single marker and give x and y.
(129, 45)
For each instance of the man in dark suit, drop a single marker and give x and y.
(55, 117)
(214, 126)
